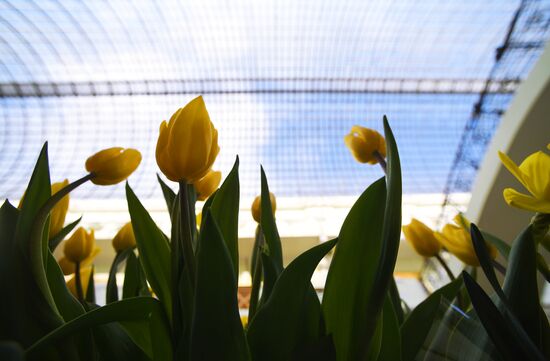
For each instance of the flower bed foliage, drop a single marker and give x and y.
(179, 297)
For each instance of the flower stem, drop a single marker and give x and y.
(445, 267)
(380, 160)
(499, 267)
(186, 233)
(78, 283)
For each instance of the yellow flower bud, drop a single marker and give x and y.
(124, 238)
(69, 267)
(59, 211)
(534, 174)
(79, 246)
(457, 240)
(257, 209)
(85, 275)
(188, 144)
(364, 142)
(207, 184)
(113, 165)
(422, 238)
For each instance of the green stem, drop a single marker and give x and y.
(540, 225)
(381, 161)
(445, 267)
(187, 233)
(78, 283)
(500, 268)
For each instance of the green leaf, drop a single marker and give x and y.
(68, 306)
(168, 193)
(113, 343)
(321, 350)
(270, 276)
(153, 249)
(58, 238)
(11, 351)
(362, 267)
(510, 339)
(160, 335)
(31, 231)
(217, 332)
(125, 310)
(225, 210)
(521, 290)
(278, 328)
(417, 325)
(482, 254)
(135, 283)
(25, 314)
(504, 249)
(269, 227)
(390, 349)
(350, 279)
(396, 301)
(151, 335)
(111, 290)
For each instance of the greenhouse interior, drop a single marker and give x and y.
(381, 133)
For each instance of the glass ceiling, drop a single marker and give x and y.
(283, 81)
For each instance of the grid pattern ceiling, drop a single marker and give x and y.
(283, 81)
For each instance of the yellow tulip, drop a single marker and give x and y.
(187, 145)
(79, 246)
(457, 240)
(69, 267)
(85, 274)
(257, 209)
(364, 142)
(534, 174)
(207, 184)
(124, 238)
(422, 238)
(59, 211)
(113, 165)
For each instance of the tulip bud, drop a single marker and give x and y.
(207, 184)
(79, 246)
(68, 267)
(187, 145)
(257, 209)
(458, 241)
(124, 238)
(113, 165)
(422, 238)
(59, 211)
(363, 143)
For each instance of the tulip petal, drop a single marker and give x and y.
(513, 168)
(523, 201)
(97, 160)
(536, 171)
(117, 168)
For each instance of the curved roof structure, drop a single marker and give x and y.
(284, 81)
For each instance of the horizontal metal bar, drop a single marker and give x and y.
(256, 86)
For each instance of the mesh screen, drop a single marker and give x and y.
(283, 81)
